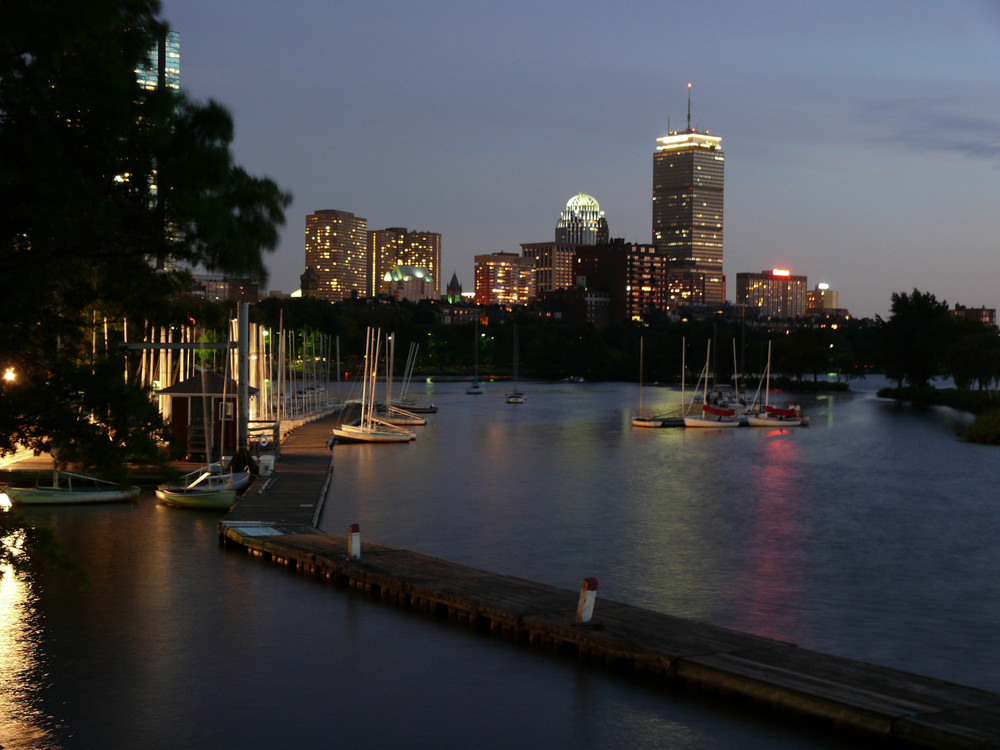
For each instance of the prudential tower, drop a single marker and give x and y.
(688, 170)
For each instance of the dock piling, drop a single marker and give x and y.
(354, 542)
(585, 608)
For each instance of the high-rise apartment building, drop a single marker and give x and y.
(688, 171)
(336, 249)
(395, 246)
(505, 279)
(772, 294)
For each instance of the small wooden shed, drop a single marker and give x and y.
(204, 411)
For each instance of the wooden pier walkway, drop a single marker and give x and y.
(902, 709)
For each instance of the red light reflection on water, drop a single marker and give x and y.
(774, 546)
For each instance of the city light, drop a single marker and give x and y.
(781, 272)
(9, 376)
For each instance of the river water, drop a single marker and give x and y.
(870, 534)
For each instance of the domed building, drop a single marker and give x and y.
(582, 222)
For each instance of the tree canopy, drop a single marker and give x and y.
(99, 178)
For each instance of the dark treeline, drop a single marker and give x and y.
(555, 349)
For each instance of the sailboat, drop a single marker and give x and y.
(641, 418)
(404, 402)
(67, 488)
(711, 416)
(205, 488)
(515, 396)
(475, 389)
(390, 412)
(773, 416)
(370, 429)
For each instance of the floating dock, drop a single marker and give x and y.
(277, 521)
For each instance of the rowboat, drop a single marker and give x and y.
(68, 488)
(210, 489)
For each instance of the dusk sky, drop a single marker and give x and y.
(862, 139)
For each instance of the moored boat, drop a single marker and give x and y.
(369, 428)
(68, 488)
(197, 497)
(206, 488)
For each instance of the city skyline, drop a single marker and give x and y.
(861, 140)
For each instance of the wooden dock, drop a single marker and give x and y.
(902, 709)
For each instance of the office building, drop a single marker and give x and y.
(553, 264)
(505, 279)
(688, 172)
(581, 222)
(163, 65)
(336, 253)
(772, 294)
(395, 246)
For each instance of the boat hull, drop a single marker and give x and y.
(515, 398)
(760, 421)
(704, 422)
(206, 499)
(416, 407)
(357, 434)
(646, 422)
(57, 496)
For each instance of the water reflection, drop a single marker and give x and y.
(22, 722)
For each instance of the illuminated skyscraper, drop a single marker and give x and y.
(581, 222)
(688, 171)
(336, 249)
(163, 66)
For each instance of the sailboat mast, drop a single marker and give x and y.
(767, 376)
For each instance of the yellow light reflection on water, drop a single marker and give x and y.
(20, 725)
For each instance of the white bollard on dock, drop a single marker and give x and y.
(354, 542)
(588, 593)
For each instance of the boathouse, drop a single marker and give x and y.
(204, 411)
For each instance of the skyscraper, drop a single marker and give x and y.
(163, 64)
(580, 221)
(688, 171)
(336, 249)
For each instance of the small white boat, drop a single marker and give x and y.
(773, 416)
(197, 497)
(415, 407)
(67, 488)
(404, 402)
(207, 488)
(373, 432)
(475, 389)
(369, 428)
(515, 396)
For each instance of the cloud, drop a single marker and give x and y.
(936, 125)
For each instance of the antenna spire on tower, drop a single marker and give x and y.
(689, 107)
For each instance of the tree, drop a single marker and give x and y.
(97, 177)
(914, 338)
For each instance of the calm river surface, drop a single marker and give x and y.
(871, 534)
